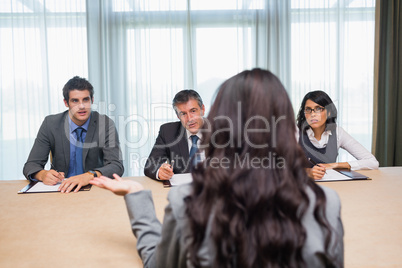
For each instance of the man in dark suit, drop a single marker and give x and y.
(83, 144)
(171, 152)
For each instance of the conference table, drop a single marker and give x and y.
(92, 229)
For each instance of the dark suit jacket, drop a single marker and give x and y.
(171, 144)
(101, 147)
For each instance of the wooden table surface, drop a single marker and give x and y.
(372, 218)
(91, 229)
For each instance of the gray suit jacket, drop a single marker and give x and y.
(166, 245)
(101, 147)
(171, 144)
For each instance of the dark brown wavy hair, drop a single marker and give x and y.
(321, 98)
(254, 209)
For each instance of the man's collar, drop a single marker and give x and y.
(73, 125)
(199, 134)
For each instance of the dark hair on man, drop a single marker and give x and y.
(256, 211)
(77, 83)
(322, 99)
(184, 96)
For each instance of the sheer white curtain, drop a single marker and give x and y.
(139, 53)
(150, 50)
(332, 47)
(42, 45)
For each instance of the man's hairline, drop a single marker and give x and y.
(89, 91)
(189, 99)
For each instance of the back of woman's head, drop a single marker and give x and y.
(253, 113)
(252, 180)
(322, 99)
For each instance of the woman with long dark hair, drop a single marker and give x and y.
(320, 137)
(251, 203)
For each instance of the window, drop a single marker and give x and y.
(139, 54)
(42, 45)
(333, 50)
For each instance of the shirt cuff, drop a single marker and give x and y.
(31, 178)
(157, 175)
(354, 165)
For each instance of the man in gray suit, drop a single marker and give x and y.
(83, 144)
(173, 148)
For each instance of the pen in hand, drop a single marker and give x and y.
(52, 166)
(171, 164)
(315, 163)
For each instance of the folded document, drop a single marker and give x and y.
(40, 187)
(178, 179)
(342, 175)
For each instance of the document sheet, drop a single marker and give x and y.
(333, 175)
(41, 187)
(179, 179)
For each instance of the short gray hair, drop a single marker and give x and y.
(184, 96)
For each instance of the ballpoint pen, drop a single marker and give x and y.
(315, 163)
(166, 183)
(52, 166)
(172, 163)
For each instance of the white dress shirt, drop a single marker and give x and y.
(365, 160)
(190, 143)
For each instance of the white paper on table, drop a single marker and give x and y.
(333, 175)
(41, 187)
(179, 179)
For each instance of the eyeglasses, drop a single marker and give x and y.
(316, 110)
